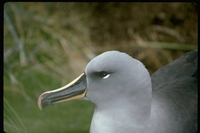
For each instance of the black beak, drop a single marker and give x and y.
(74, 90)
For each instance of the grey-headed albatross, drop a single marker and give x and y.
(129, 100)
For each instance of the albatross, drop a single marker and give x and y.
(128, 100)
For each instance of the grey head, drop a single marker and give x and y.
(112, 77)
(116, 76)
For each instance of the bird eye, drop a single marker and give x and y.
(106, 75)
(103, 75)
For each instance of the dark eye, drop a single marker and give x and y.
(103, 74)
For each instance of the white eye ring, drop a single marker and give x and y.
(105, 77)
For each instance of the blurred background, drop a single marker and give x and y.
(46, 45)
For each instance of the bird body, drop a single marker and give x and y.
(129, 100)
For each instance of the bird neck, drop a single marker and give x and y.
(123, 108)
(110, 118)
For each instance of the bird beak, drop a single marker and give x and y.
(74, 90)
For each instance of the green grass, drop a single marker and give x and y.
(22, 116)
(36, 59)
(21, 113)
